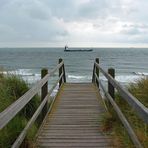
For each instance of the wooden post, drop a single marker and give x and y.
(44, 91)
(64, 75)
(93, 76)
(97, 71)
(111, 89)
(60, 72)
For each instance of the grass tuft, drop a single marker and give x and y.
(121, 138)
(13, 87)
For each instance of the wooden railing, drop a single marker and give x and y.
(10, 112)
(140, 109)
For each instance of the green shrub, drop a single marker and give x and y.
(13, 87)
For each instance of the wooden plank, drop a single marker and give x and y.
(73, 137)
(71, 140)
(73, 134)
(62, 144)
(75, 120)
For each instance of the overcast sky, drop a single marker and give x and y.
(73, 22)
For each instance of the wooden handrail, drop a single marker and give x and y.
(11, 111)
(128, 97)
(22, 135)
(132, 101)
(62, 70)
(122, 118)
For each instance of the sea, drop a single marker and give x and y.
(130, 64)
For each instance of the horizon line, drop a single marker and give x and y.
(74, 47)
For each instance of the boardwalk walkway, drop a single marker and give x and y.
(75, 120)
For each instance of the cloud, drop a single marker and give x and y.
(29, 21)
(134, 29)
(79, 21)
(93, 9)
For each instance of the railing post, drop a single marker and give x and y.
(111, 89)
(93, 76)
(60, 72)
(44, 90)
(64, 75)
(97, 71)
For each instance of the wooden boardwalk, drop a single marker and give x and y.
(75, 120)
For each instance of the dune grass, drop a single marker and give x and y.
(11, 88)
(112, 123)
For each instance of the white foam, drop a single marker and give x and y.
(126, 78)
(79, 78)
(26, 74)
(141, 73)
(21, 72)
(31, 77)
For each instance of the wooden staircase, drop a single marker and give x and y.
(75, 119)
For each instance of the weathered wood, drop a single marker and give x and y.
(141, 110)
(60, 72)
(123, 119)
(44, 91)
(97, 72)
(14, 108)
(93, 76)
(64, 74)
(72, 124)
(111, 89)
(22, 135)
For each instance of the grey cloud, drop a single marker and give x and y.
(93, 9)
(28, 21)
(36, 14)
(134, 29)
(4, 3)
(65, 9)
(131, 31)
(39, 20)
(39, 12)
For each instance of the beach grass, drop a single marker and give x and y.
(111, 123)
(11, 88)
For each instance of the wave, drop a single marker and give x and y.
(119, 78)
(141, 73)
(126, 78)
(78, 77)
(32, 76)
(21, 72)
(24, 72)
(27, 74)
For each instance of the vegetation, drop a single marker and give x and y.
(11, 88)
(112, 123)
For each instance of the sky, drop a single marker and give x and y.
(84, 23)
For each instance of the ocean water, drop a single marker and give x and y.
(130, 64)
